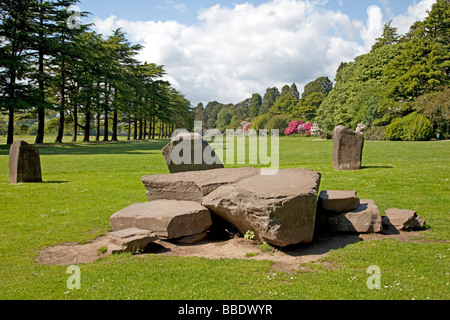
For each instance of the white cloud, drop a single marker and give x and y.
(234, 52)
(415, 12)
(374, 27)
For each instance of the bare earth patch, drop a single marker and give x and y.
(286, 259)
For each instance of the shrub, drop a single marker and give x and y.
(417, 127)
(260, 122)
(293, 127)
(375, 133)
(280, 122)
(394, 131)
(414, 127)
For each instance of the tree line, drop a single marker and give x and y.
(52, 67)
(274, 110)
(399, 90)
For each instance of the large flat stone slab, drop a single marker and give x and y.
(280, 208)
(169, 219)
(365, 219)
(338, 201)
(190, 152)
(193, 186)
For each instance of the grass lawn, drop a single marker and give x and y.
(84, 184)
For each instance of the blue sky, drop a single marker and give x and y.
(226, 50)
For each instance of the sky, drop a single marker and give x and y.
(226, 50)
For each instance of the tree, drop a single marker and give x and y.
(436, 107)
(15, 60)
(255, 105)
(306, 108)
(389, 36)
(321, 84)
(286, 101)
(269, 99)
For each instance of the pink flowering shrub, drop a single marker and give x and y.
(299, 127)
(293, 127)
(247, 126)
(307, 128)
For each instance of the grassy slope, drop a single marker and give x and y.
(85, 184)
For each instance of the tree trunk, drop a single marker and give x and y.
(114, 127)
(145, 129)
(41, 108)
(12, 94)
(115, 119)
(105, 125)
(62, 106)
(97, 135)
(87, 127)
(135, 134)
(153, 129)
(140, 128)
(129, 130)
(75, 124)
(10, 139)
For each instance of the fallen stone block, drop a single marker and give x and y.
(280, 209)
(168, 219)
(24, 163)
(190, 152)
(193, 186)
(130, 240)
(338, 201)
(402, 219)
(348, 148)
(365, 219)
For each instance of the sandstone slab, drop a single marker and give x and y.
(280, 208)
(130, 240)
(338, 201)
(193, 186)
(168, 219)
(24, 163)
(402, 219)
(365, 219)
(190, 152)
(348, 149)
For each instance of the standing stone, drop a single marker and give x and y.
(190, 152)
(280, 209)
(24, 163)
(348, 148)
(168, 219)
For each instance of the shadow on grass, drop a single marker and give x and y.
(91, 148)
(377, 167)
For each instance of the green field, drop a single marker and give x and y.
(84, 184)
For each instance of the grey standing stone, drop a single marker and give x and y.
(190, 152)
(24, 163)
(348, 149)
